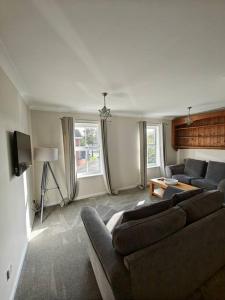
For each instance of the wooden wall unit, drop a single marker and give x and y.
(207, 131)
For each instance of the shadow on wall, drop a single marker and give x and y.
(10, 148)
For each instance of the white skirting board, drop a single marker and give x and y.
(17, 277)
(91, 195)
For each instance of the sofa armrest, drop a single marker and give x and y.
(174, 169)
(221, 185)
(111, 262)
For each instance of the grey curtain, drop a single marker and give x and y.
(105, 155)
(163, 157)
(69, 157)
(143, 153)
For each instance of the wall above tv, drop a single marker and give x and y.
(21, 152)
(207, 131)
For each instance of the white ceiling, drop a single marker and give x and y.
(154, 58)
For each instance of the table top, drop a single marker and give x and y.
(180, 185)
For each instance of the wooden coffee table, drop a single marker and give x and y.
(157, 187)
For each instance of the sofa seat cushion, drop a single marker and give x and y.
(134, 235)
(202, 205)
(194, 167)
(183, 178)
(204, 183)
(215, 172)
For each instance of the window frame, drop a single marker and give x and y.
(156, 128)
(89, 124)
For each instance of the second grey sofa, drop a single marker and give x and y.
(191, 169)
(199, 173)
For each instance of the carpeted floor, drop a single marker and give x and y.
(56, 264)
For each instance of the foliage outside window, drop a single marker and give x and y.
(153, 155)
(87, 147)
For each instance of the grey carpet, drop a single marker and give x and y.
(56, 265)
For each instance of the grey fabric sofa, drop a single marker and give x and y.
(199, 173)
(178, 253)
(191, 169)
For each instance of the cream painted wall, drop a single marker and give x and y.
(46, 131)
(16, 215)
(123, 151)
(204, 154)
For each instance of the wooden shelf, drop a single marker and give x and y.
(206, 132)
(200, 126)
(200, 136)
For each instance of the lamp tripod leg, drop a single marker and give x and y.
(57, 185)
(43, 188)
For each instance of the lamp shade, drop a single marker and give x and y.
(46, 154)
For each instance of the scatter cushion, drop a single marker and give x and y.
(170, 191)
(114, 220)
(134, 235)
(183, 178)
(202, 205)
(146, 211)
(179, 197)
(194, 167)
(204, 183)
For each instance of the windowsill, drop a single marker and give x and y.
(89, 175)
(152, 167)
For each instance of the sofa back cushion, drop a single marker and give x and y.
(194, 167)
(215, 171)
(202, 205)
(146, 211)
(172, 196)
(179, 197)
(134, 235)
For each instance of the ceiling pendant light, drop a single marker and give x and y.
(188, 119)
(105, 113)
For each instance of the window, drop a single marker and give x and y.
(87, 147)
(153, 151)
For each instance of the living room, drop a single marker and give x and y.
(112, 117)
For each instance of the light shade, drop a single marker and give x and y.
(105, 113)
(46, 154)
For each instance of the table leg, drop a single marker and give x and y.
(151, 188)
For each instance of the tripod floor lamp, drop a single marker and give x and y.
(47, 155)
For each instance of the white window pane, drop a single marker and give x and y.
(151, 136)
(153, 146)
(94, 161)
(87, 147)
(91, 136)
(81, 160)
(151, 155)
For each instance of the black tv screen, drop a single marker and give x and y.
(22, 152)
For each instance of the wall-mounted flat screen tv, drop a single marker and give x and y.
(21, 152)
